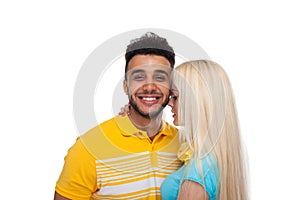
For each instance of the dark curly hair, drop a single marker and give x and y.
(150, 44)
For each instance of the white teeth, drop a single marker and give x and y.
(149, 98)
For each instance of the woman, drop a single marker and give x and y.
(203, 105)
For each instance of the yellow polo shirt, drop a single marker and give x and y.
(115, 160)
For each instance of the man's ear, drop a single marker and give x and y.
(125, 87)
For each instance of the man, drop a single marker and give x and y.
(128, 157)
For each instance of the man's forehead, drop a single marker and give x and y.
(151, 68)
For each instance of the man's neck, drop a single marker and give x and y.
(150, 125)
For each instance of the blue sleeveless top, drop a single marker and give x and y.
(210, 180)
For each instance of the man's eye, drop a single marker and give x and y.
(138, 77)
(160, 78)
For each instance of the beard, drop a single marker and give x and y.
(150, 114)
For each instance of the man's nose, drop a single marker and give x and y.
(150, 86)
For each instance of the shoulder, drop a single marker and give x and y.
(98, 130)
(205, 167)
(168, 128)
(103, 139)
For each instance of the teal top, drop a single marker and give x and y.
(210, 180)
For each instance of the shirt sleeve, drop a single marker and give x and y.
(78, 178)
(209, 180)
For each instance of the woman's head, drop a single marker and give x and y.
(205, 107)
(202, 94)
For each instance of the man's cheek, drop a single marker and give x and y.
(133, 88)
(133, 91)
(163, 86)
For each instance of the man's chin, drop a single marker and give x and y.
(152, 114)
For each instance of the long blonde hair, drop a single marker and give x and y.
(207, 110)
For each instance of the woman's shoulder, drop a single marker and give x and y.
(204, 165)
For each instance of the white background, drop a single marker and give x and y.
(44, 44)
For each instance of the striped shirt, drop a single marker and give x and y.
(115, 160)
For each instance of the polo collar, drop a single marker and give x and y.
(128, 129)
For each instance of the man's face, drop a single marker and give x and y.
(148, 84)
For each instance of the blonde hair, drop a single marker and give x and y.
(207, 110)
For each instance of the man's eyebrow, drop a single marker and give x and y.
(137, 71)
(161, 71)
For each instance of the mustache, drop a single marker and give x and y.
(152, 92)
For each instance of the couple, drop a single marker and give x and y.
(135, 156)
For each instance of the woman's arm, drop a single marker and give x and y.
(59, 197)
